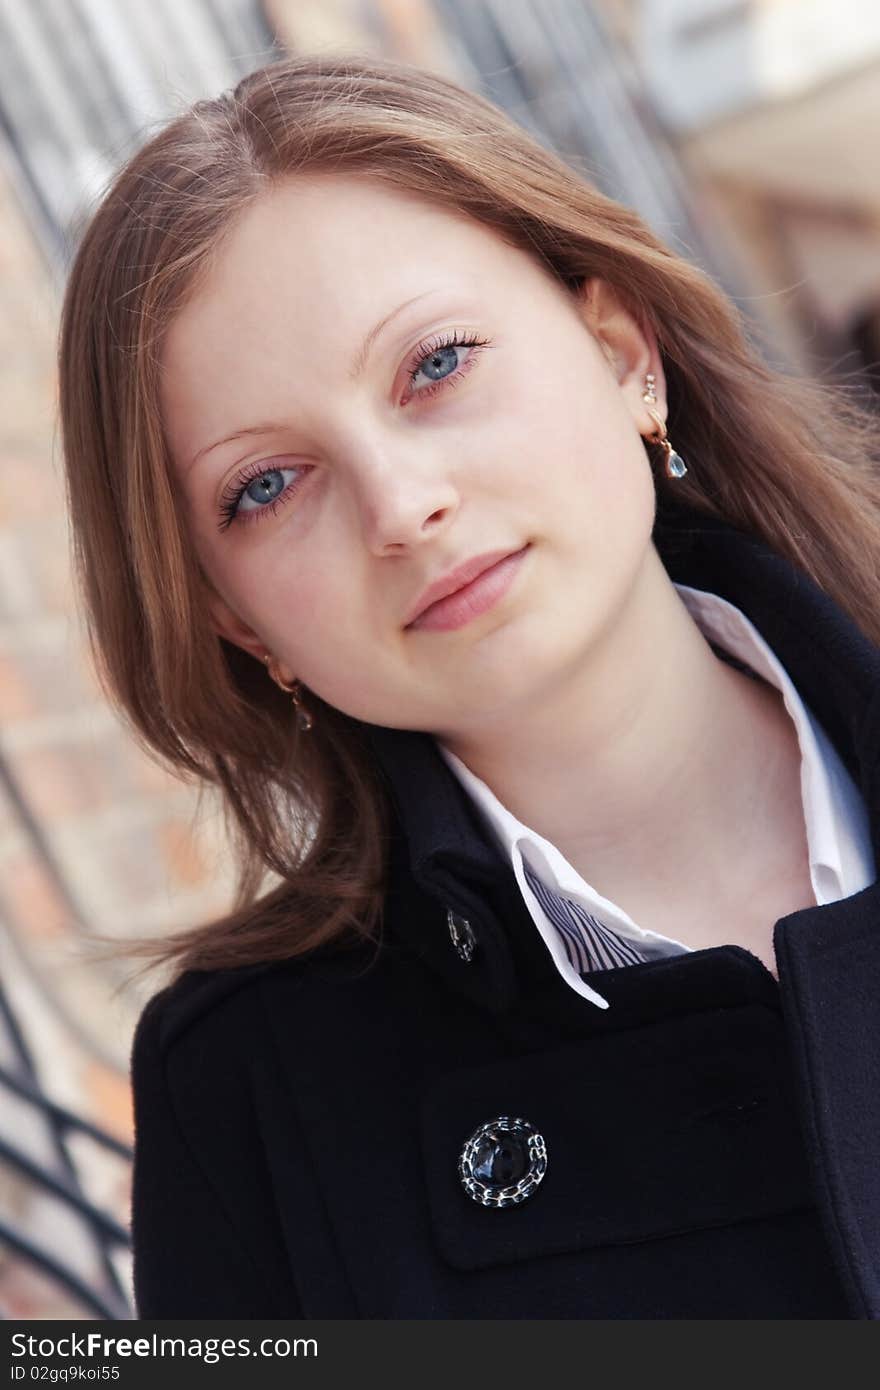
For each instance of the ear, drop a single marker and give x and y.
(628, 346)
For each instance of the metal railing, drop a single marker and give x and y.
(111, 1300)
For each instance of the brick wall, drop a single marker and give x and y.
(117, 829)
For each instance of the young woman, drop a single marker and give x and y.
(433, 510)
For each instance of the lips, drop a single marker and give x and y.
(455, 579)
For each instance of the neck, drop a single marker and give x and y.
(659, 772)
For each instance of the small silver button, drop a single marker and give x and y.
(462, 934)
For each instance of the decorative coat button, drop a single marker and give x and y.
(502, 1162)
(462, 933)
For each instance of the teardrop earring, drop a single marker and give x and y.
(304, 720)
(674, 464)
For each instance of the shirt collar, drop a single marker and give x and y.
(837, 822)
(837, 828)
(830, 662)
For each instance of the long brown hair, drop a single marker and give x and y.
(785, 458)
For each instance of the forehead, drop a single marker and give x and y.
(342, 240)
(298, 280)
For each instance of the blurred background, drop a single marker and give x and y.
(744, 131)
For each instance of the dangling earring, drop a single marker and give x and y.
(674, 463)
(304, 720)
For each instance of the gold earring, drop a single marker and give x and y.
(303, 718)
(674, 464)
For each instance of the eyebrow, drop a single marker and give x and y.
(356, 371)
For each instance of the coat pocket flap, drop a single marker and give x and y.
(649, 1132)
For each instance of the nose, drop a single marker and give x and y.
(403, 496)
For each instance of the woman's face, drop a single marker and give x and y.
(482, 416)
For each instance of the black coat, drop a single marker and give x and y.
(712, 1138)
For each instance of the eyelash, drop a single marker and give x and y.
(233, 494)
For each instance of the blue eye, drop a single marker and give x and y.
(265, 488)
(255, 491)
(442, 361)
(440, 357)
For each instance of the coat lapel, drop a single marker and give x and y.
(829, 977)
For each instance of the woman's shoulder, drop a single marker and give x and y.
(209, 1008)
(205, 1234)
(193, 996)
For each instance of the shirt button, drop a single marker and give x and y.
(502, 1162)
(462, 934)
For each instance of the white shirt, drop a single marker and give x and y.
(584, 931)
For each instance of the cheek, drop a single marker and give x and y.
(606, 441)
(267, 588)
(561, 412)
(299, 601)
(315, 617)
(595, 488)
